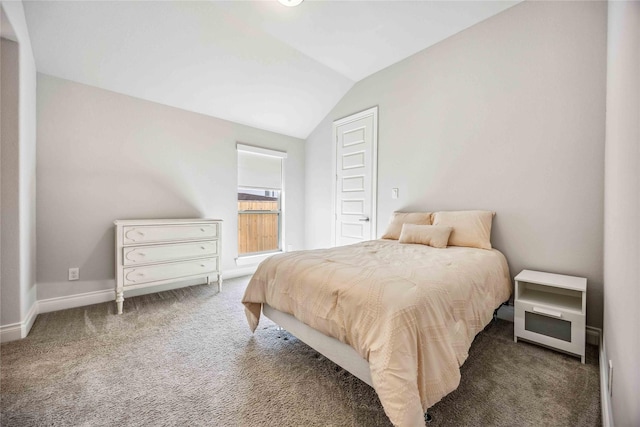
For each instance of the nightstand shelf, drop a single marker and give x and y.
(550, 309)
(561, 302)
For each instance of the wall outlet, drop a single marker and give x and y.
(394, 193)
(74, 273)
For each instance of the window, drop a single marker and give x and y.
(260, 200)
(258, 221)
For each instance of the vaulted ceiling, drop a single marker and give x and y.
(253, 62)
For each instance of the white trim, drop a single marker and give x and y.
(373, 111)
(243, 261)
(593, 335)
(76, 300)
(11, 332)
(108, 295)
(31, 318)
(19, 330)
(283, 211)
(259, 150)
(334, 181)
(605, 396)
(281, 155)
(239, 272)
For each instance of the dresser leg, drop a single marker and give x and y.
(120, 300)
(219, 282)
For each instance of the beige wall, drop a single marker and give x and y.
(622, 211)
(507, 115)
(19, 256)
(104, 156)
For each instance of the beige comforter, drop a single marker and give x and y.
(412, 311)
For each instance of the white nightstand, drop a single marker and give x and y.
(551, 309)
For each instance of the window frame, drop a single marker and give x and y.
(279, 212)
(248, 258)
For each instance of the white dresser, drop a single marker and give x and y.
(158, 251)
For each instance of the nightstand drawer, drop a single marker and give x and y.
(547, 311)
(173, 270)
(168, 233)
(138, 255)
(550, 326)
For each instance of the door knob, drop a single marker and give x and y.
(364, 219)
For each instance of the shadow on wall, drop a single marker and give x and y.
(137, 197)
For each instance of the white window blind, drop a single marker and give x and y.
(259, 167)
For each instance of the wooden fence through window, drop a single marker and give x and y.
(257, 232)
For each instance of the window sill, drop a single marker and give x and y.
(242, 261)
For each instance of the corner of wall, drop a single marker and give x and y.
(23, 253)
(19, 330)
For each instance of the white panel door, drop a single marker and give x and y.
(356, 177)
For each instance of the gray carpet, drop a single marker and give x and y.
(186, 357)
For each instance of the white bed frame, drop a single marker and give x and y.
(338, 352)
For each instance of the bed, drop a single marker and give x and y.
(401, 317)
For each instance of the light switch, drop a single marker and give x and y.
(394, 193)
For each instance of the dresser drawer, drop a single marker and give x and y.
(138, 255)
(173, 270)
(168, 233)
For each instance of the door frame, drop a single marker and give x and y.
(373, 111)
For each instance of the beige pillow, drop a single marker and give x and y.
(470, 228)
(399, 218)
(431, 235)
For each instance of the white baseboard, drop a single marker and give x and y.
(593, 335)
(77, 300)
(19, 330)
(239, 272)
(106, 295)
(605, 397)
(254, 260)
(31, 318)
(11, 332)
